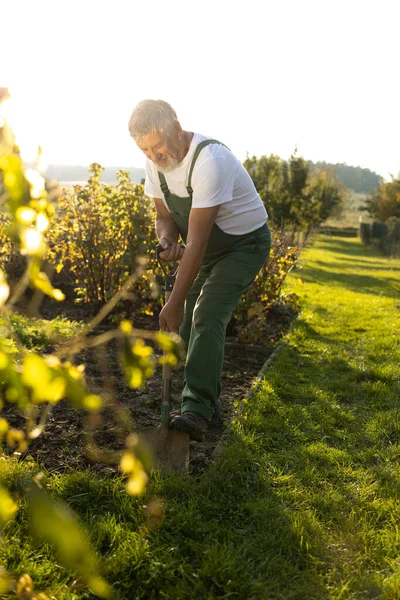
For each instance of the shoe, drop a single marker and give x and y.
(192, 423)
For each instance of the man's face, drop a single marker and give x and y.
(161, 150)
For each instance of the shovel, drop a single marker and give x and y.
(170, 447)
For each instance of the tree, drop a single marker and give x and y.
(384, 204)
(292, 194)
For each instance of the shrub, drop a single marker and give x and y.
(379, 230)
(390, 243)
(100, 234)
(253, 308)
(365, 232)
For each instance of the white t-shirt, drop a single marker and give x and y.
(218, 178)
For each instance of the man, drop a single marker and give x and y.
(203, 194)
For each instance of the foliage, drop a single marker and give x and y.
(365, 232)
(384, 203)
(11, 260)
(33, 382)
(293, 196)
(386, 236)
(384, 207)
(100, 234)
(253, 308)
(326, 197)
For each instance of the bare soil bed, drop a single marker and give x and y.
(69, 434)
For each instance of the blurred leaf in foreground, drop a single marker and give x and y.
(55, 523)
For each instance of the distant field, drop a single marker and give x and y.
(351, 214)
(70, 184)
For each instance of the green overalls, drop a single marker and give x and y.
(230, 264)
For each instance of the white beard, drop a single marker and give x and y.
(172, 164)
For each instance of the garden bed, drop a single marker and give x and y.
(64, 443)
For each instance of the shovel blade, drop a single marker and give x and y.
(170, 448)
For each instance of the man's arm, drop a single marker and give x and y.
(167, 232)
(201, 221)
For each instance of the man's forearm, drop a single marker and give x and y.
(188, 270)
(167, 228)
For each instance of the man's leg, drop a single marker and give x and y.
(228, 278)
(185, 328)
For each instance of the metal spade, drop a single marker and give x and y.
(170, 447)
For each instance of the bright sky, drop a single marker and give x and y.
(263, 76)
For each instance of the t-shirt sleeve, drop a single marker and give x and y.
(152, 185)
(213, 181)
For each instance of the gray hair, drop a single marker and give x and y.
(150, 116)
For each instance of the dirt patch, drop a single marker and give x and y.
(64, 443)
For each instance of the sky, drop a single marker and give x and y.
(261, 76)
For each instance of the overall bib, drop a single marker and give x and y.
(230, 264)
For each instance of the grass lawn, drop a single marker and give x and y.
(305, 500)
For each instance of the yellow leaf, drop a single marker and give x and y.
(14, 436)
(164, 341)
(35, 371)
(100, 587)
(36, 182)
(3, 427)
(25, 215)
(42, 283)
(4, 361)
(127, 463)
(92, 402)
(52, 361)
(136, 485)
(4, 288)
(25, 584)
(5, 581)
(134, 376)
(42, 222)
(58, 295)
(54, 390)
(8, 507)
(125, 326)
(32, 242)
(140, 349)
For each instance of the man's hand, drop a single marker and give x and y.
(172, 250)
(171, 317)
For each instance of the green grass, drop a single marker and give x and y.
(304, 503)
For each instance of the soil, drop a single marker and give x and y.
(70, 434)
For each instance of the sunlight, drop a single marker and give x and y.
(17, 112)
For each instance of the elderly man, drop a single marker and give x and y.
(204, 196)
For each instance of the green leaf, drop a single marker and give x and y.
(55, 523)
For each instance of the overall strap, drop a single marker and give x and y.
(163, 184)
(199, 148)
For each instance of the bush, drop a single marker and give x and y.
(253, 308)
(379, 230)
(365, 232)
(99, 236)
(390, 243)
